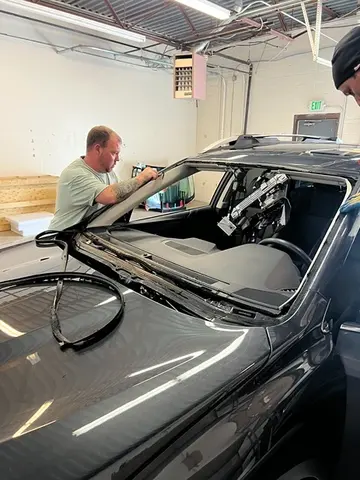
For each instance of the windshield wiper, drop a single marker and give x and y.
(181, 279)
(148, 283)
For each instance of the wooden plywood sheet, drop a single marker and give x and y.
(26, 195)
(29, 180)
(12, 193)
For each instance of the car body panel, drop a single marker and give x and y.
(192, 360)
(230, 439)
(28, 259)
(166, 395)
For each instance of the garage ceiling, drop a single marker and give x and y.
(168, 22)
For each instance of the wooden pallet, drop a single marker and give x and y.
(26, 195)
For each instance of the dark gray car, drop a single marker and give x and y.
(197, 344)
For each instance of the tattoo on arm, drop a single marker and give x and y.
(124, 189)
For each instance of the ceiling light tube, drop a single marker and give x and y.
(210, 8)
(72, 19)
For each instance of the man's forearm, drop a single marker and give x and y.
(123, 189)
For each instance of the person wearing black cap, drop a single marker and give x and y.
(346, 64)
(346, 75)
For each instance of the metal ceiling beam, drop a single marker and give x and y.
(136, 49)
(282, 22)
(218, 36)
(206, 33)
(330, 12)
(147, 13)
(74, 30)
(255, 24)
(113, 13)
(282, 19)
(187, 18)
(108, 21)
(67, 8)
(134, 22)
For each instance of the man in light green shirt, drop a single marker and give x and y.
(89, 182)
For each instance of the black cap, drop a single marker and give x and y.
(346, 58)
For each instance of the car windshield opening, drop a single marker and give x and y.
(249, 233)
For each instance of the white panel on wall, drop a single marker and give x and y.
(50, 101)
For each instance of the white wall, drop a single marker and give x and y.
(281, 88)
(285, 88)
(50, 101)
(220, 115)
(227, 90)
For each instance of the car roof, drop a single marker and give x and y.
(311, 155)
(315, 154)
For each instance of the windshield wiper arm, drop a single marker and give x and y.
(136, 276)
(181, 278)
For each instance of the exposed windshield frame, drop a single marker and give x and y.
(191, 167)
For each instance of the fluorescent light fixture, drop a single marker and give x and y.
(210, 8)
(73, 19)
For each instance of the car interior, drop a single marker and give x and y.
(272, 245)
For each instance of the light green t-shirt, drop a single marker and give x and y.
(77, 189)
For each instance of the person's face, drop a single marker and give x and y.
(109, 155)
(352, 87)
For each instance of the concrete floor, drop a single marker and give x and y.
(11, 239)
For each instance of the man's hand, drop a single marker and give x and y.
(353, 203)
(146, 175)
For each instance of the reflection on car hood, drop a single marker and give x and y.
(65, 414)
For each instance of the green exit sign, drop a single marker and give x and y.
(317, 106)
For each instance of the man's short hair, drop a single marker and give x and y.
(100, 135)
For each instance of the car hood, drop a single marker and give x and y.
(66, 414)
